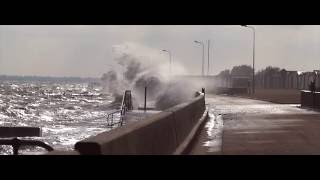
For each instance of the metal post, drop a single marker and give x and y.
(199, 42)
(170, 59)
(253, 56)
(112, 121)
(202, 60)
(254, 51)
(170, 64)
(145, 98)
(208, 57)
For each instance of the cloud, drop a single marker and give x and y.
(87, 50)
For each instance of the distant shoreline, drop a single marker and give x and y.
(47, 78)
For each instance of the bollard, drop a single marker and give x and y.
(16, 145)
(145, 98)
(204, 91)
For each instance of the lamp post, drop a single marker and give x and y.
(199, 42)
(253, 56)
(208, 57)
(170, 59)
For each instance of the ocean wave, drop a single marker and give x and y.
(66, 112)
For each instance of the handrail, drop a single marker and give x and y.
(110, 116)
(126, 105)
(123, 101)
(17, 143)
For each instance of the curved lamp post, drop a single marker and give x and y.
(170, 59)
(253, 56)
(199, 42)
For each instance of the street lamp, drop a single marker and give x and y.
(208, 57)
(169, 59)
(253, 56)
(199, 42)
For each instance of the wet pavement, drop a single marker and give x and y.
(239, 126)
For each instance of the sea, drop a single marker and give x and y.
(66, 112)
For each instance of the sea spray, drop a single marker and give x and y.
(136, 67)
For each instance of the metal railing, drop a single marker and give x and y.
(126, 105)
(17, 143)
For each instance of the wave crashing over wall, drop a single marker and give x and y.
(136, 67)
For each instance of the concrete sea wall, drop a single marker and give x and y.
(169, 132)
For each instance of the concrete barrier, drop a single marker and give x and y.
(186, 116)
(20, 131)
(317, 100)
(186, 145)
(168, 132)
(307, 99)
(142, 137)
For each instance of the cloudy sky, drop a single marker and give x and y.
(86, 51)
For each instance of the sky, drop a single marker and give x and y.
(86, 51)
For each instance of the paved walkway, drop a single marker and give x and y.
(239, 126)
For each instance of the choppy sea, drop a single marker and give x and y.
(66, 112)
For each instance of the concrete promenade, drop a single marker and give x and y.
(239, 126)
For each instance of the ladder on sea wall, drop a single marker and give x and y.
(126, 105)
